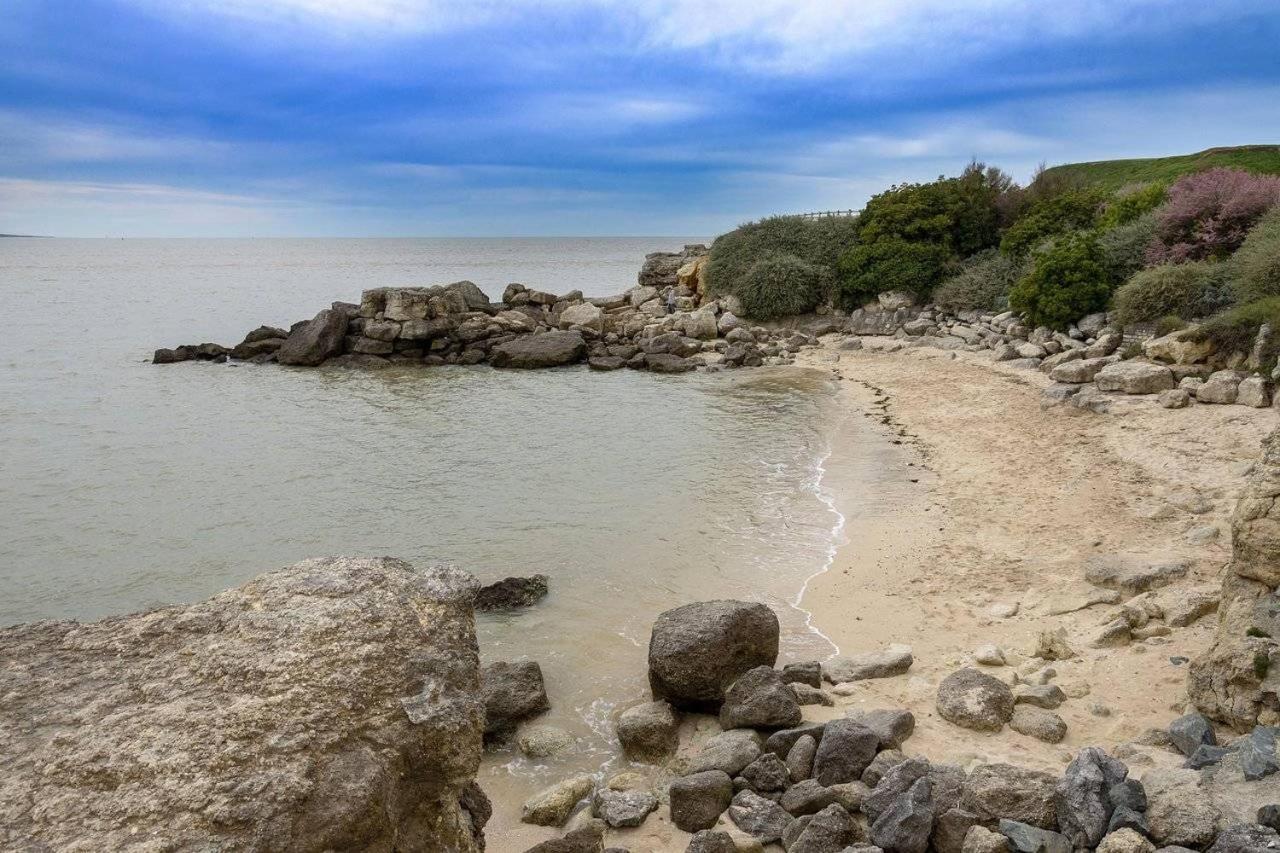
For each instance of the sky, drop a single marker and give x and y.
(216, 118)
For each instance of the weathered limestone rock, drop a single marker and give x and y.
(549, 349)
(1180, 347)
(1221, 387)
(1131, 575)
(334, 704)
(584, 315)
(316, 340)
(552, 805)
(698, 650)
(1134, 377)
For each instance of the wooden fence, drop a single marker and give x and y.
(823, 214)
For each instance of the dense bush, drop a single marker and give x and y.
(1236, 329)
(1209, 213)
(1130, 203)
(983, 284)
(960, 214)
(1066, 282)
(782, 285)
(818, 242)
(1124, 248)
(1058, 214)
(890, 264)
(1257, 263)
(1190, 290)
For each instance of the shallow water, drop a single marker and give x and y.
(128, 485)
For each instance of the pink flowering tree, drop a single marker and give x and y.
(1208, 214)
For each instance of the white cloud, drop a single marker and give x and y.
(28, 137)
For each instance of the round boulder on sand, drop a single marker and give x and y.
(975, 700)
(698, 650)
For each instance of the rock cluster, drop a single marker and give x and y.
(330, 705)
(665, 324)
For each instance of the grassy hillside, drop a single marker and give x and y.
(1113, 174)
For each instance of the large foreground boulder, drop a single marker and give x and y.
(315, 340)
(331, 705)
(698, 650)
(550, 349)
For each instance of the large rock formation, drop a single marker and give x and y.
(331, 705)
(698, 650)
(1237, 681)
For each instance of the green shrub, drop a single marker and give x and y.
(1124, 248)
(1066, 282)
(961, 214)
(1235, 329)
(1131, 202)
(820, 242)
(1257, 262)
(781, 286)
(1168, 324)
(1193, 289)
(1058, 214)
(890, 264)
(983, 284)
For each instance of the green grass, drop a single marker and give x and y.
(1111, 175)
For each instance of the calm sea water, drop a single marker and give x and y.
(127, 485)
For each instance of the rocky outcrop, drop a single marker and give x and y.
(313, 342)
(330, 705)
(663, 269)
(1237, 681)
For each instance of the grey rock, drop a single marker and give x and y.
(1134, 377)
(845, 750)
(829, 831)
(950, 828)
(512, 692)
(1024, 838)
(851, 795)
(1189, 732)
(698, 650)
(1126, 841)
(781, 741)
(1269, 815)
(1038, 723)
(1174, 398)
(800, 758)
(895, 660)
(316, 340)
(996, 791)
(711, 841)
(1128, 794)
(1258, 758)
(758, 817)
(759, 698)
(885, 760)
(975, 700)
(588, 838)
(948, 785)
(260, 703)
(1179, 810)
(891, 725)
(1221, 387)
(807, 797)
(766, 774)
(897, 781)
(806, 695)
(729, 752)
(1134, 576)
(606, 362)
(905, 826)
(1083, 796)
(1126, 818)
(544, 741)
(1206, 755)
(623, 808)
(809, 672)
(552, 805)
(549, 349)
(668, 363)
(511, 593)
(979, 839)
(698, 800)
(1078, 372)
(1047, 696)
(649, 733)
(1246, 838)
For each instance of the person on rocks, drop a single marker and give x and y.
(671, 301)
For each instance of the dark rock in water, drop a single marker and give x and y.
(1207, 755)
(766, 774)
(584, 839)
(698, 650)
(250, 349)
(697, 801)
(1246, 838)
(1258, 758)
(846, 748)
(756, 816)
(475, 802)
(512, 592)
(904, 826)
(975, 700)
(512, 692)
(172, 356)
(606, 362)
(759, 699)
(1190, 732)
(315, 340)
(1025, 838)
(648, 733)
(1083, 802)
(665, 363)
(710, 841)
(549, 349)
(264, 333)
(809, 672)
(829, 831)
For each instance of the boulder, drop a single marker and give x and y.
(1084, 803)
(1246, 838)
(1125, 841)
(800, 757)
(979, 839)
(763, 819)
(997, 791)
(1047, 696)
(886, 663)
(759, 699)
(623, 808)
(808, 796)
(549, 349)
(1257, 753)
(606, 362)
(1078, 372)
(896, 781)
(766, 775)
(1174, 398)
(809, 672)
(975, 700)
(1221, 387)
(669, 363)
(781, 741)
(1178, 810)
(1184, 346)
(552, 805)
(333, 704)
(698, 800)
(588, 838)
(1190, 731)
(316, 340)
(729, 751)
(846, 749)
(583, 315)
(1253, 391)
(544, 741)
(1131, 576)
(649, 733)
(510, 593)
(904, 826)
(710, 841)
(891, 725)
(512, 692)
(1038, 723)
(1030, 839)
(698, 650)
(1134, 377)
(829, 831)
(951, 827)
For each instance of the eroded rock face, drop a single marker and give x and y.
(333, 704)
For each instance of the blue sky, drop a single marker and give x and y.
(671, 117)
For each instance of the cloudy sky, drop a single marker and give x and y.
(663, 117)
